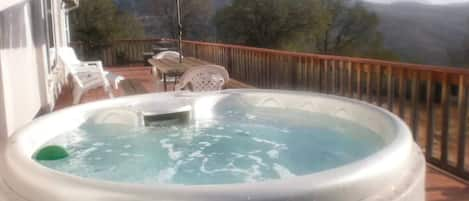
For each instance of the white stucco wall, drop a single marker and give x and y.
(24, 76)
(3, 126)
(20, 66)
(7, 3)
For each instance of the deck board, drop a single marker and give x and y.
(133, 87)
(439, 186)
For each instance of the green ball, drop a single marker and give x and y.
(51, 153)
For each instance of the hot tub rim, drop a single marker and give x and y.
(401, 144)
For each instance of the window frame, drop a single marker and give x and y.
(50, 35)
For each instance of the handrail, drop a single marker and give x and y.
(411, 66)
(434, 68)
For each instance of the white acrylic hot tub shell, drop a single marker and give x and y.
(394, 173)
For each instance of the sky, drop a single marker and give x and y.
(436, 2)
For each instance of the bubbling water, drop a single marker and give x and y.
(238, 144)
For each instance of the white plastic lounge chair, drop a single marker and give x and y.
(203, 78)
(86, 75)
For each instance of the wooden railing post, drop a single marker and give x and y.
(350, 79)
(295, 65)
(368, 70)
(414, 106)
(390, 88)
(445, 119)
(378, 85)
(342, 78)
(359, 81)
(402, 94)
(333, 76)
(320, 77)
(230, 59)
(430, 119)
(462, 123)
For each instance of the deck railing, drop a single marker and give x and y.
(432, 100)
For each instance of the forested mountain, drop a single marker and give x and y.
(158, 16)
(419, 33)
(424, 33)
(221, 3)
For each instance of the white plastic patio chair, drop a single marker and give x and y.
(86, 75)
(203, 78)
(165, 55)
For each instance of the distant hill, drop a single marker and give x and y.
(423, 33)
(420, 33)
(143, 7)
(221, 3)
(136, 7)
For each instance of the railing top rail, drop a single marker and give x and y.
(142, 40)
(410, 66)
(126, 40)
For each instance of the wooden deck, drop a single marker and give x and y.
(138, 81)
(440, 187)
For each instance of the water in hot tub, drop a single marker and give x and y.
(249, 144)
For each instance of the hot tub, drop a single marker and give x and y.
(232, 145)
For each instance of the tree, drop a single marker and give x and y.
(266, 23)
(350, 30)
(342, 27)
(97, 23)
(196, 18)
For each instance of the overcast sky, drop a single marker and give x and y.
(422, 1)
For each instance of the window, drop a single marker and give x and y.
(50, 33)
